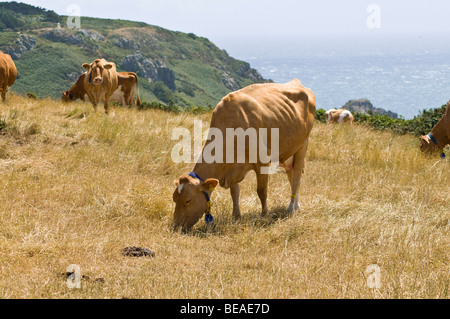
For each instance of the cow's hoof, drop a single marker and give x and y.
(293, 208)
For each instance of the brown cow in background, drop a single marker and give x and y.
(334, 116)
(100, 82)
(124, 94)
(8, 74)
(128, 81)
(77, 91)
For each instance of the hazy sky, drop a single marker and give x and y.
(270, 18)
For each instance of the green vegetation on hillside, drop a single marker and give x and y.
(174, 67)
(20, 16)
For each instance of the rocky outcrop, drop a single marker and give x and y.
(364, 106)
(125, 43)
(150, 69)
(230, 82)
(93, 35)
(245, 71)
(64, 36)
(23, 44)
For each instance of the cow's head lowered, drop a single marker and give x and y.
(190, 198)
(427, 145)
(95, 70)
(66, 97)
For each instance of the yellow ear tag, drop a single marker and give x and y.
(211, 188)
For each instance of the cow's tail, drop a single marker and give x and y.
(138, 99)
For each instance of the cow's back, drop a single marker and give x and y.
(289, 107)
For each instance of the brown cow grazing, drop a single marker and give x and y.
(288, 109)
(100, 82)
(124, 94)
(439, 136)
(8, 74)
(77, 91)
(339, 116)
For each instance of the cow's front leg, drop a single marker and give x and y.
(93, 100)
(234, 190)
(106, 106)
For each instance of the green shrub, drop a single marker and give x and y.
(187, 88)
(9, 19)
(155, 105)
(162, 92)
(200, 109)
(31, 95)
(320, 116)
(419, 125)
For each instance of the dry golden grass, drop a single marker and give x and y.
(78, 186)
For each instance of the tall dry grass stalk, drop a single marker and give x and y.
(78, 186)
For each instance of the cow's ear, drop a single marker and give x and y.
(86, 66)
(425, 139)
(108, 66)
(209, 185)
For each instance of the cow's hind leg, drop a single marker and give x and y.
(295, 176)
(234, 190)
(4, 91)
(262, 181)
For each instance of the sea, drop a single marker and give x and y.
(403, 74)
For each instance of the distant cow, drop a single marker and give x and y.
(77, 91)
(334, 116)
(128, 81)
(100, 82)
(124, 94)
(289, 107)
(439, 136)
(8, 74)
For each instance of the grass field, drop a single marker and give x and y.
(78, 186)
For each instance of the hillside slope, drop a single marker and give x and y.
(182, 68)
(79, 186)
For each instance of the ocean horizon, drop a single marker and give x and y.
(403, 74)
